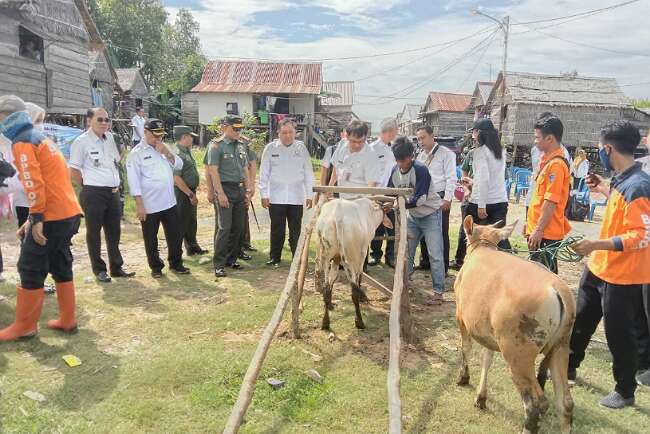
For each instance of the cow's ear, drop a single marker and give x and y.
(506, 231)
(386, 222)
(468, 225)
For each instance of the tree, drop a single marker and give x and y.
(641, 103)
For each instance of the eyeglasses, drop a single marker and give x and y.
(103, 120)
(237, 128)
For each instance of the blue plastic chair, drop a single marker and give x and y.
(582, 193)
(522, 182)
(511, 178)
(593, 204)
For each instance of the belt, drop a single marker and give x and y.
(97, 187)
(238, 184)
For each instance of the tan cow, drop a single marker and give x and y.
(517, 307)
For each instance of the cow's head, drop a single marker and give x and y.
(382, 204)
(492, 234)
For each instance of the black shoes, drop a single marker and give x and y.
(180, 270)
(103, 277)
(455, 265)
(249, 248)
(197, 252)
(219, 272)
(122, 273)
(273, 262)
(156, 274)
(245, 256)
(390, 262)
(236, 265)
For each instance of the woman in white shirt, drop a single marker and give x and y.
(489, 202)
(580, 168)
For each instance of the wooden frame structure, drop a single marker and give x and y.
(401, 324)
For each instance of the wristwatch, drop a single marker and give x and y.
(191, 195)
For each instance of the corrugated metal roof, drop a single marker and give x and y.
(263, 77)
(448, 102)
(567, 89)
(344, 88)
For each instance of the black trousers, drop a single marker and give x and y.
(22, 214)
(618, 306)
(461, 248)
(229, 225)
(246, 232)
(188, 224)
(642, 327)
(545, 258)
(283, 215)
(424, 257)
(383, 231)
(36, 261)
(102, 210)
(171, 226)
(496, 212)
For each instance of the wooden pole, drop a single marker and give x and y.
(304, 261)
(377, 284)
(393, 380)
(364, 190)
(248, 386)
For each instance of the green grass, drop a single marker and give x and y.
(168, 356)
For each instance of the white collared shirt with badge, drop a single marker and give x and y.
(385, 159)
(286, 174)
(442, 168)
(97, 159)
(355, 169)
(151, 176)
(138, 127)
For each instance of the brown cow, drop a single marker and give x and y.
(521, 309)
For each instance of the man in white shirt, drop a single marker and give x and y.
(355, 165)
(386, 161)
(150, 171)
(286, 182)
(94, 166)
(441, 162)
(137, 122)
(326, 164)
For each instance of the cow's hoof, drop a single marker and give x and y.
(330, 306)
(325, 327)
(359, 325)
(463, 380)
(480, 402)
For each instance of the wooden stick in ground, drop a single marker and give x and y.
(304, 261)
(377, 284)
(248, 386)
(393, 380)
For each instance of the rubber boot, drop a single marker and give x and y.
(28, 310)
(66, 299)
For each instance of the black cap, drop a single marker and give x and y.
(483, 124)
(156, 126)
(233, 121)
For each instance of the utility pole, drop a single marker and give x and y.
(505, 27)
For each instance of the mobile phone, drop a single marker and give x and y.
(592, 179)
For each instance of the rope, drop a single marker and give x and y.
(560, 250)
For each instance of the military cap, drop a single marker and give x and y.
(180, 130)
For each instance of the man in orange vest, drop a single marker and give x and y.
(54, 216)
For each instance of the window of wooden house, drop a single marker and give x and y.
(232, 108)
(30, 45)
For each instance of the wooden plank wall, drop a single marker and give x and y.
(70, 78)
(190, 108)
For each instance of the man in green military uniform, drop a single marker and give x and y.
(231, 190)
(186, 181)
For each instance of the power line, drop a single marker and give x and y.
(579, 14)
(487, 47)
(368, 56)
(419, 58)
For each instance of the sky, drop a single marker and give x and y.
(615, 43)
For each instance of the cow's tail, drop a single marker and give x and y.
(567, 306)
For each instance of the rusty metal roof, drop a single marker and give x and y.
(447, 102)
(260, 77)
(343, 88)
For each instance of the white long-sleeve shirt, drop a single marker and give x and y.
(286, 174)
(138, 127)
(151, 176)
(582, 170)
(489, 178)
(442, 168)
(14, 186)
(354, 169)
(385, 161)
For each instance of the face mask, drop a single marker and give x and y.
(39, 127)
(604, 159)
